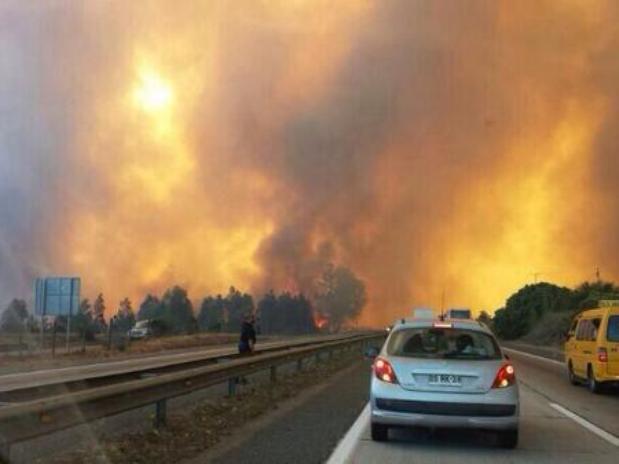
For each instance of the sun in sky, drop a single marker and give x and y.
(152, 93)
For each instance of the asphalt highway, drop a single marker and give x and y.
(559, 423)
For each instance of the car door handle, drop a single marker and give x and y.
(586, 352)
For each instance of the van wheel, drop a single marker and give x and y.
(380, 432)
(571, 375)
(593, 385)
(508, 439)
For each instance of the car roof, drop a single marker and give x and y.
(469, 324)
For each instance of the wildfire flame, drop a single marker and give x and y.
(320, 321)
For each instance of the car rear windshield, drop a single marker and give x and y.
(613, 329)
(460, 314)
(442, 343)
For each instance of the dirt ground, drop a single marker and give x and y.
(34, 360)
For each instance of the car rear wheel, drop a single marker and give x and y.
(380, 432)
(593, 385)
(571, 375)
(508, 439)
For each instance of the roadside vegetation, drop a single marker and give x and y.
(541, 313)
(335, 298)
(33, 359)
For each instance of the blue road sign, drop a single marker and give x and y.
(57, 296)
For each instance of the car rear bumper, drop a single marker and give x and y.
(445, 408)
(609, 381)
(498, 409)
(380, 416)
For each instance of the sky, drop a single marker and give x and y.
(435, 148)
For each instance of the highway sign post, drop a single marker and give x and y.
(57, 296)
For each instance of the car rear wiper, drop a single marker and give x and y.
(454, 355)
(471, 356)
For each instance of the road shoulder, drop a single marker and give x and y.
(304, 429)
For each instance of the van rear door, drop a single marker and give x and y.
(612, 336)
(585, 347)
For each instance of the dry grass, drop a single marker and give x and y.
(96, 353)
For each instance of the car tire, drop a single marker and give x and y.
(380, 432)
(593, 385)
(571, 375)
(508, 439)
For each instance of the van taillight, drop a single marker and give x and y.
(384, 371)
(505, 377)
(602, 355)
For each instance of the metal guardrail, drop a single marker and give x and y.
(24, 421)
(549, 352)
(38, 389)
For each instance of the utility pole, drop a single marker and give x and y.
(443, 305)
(597, 274)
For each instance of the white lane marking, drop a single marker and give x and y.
(610, 438)
(346, 446)
(539, 358)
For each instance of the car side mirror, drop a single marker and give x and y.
(371, 352)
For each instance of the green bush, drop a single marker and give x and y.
(541, 313)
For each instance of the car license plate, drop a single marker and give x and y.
(448, 380)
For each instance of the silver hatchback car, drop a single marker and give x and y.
(444, 373)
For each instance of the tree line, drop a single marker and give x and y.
(338, 297)
(544, 310)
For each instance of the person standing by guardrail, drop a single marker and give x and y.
(247, 341)
(248, 335)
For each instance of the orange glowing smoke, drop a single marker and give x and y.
(432, 147)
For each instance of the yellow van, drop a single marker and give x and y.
(592, 347)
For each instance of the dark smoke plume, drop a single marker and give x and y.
(430, 147)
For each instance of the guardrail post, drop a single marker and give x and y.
(273, 373)
(161, 413)
(300, 364)
(54, 339)
(232, 386)
(5, 451)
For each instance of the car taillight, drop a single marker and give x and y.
(384, 371)
(602, 355)
(505, 377)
